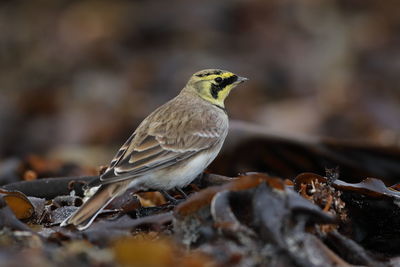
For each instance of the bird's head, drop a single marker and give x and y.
(214, 85)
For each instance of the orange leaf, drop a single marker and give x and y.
(18, 203)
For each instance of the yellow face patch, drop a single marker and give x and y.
(216, 87)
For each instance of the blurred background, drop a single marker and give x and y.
(76, 77)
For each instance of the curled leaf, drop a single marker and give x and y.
(18, 203)
(204, 197)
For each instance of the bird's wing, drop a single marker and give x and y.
(157, 145)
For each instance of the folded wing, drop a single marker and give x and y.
(157, 145)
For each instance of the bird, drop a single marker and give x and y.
(170, 147)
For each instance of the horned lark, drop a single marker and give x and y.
(172, 146)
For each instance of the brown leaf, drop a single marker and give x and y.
(133, 252)
(151, 199)
(8, 219)
(18, 203)
(204, 197)
(153, 250)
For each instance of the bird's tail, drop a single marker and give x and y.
(86, 214)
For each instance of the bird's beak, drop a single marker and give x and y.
(241, 80)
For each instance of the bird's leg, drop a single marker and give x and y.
(168, 197)
(181, 192)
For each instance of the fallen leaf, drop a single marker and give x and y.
(132, 252)
(18, 203)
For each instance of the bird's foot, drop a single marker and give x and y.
(181, 192)
(172, 201)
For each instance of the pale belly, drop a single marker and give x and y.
(179, 175)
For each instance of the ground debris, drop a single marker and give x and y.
(250, 220)
(260, 220)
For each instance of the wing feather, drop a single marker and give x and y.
(121, 152)
(159, 143)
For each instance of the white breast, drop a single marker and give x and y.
(169, 178)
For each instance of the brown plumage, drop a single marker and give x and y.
(170, 147)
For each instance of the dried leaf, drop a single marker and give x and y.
(8, 219)
(151, 199)
(133, 252)
(222, 211)
(19, 203)
(204, 197)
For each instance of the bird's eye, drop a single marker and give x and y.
(218, 79)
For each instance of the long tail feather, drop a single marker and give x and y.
(86, 214)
